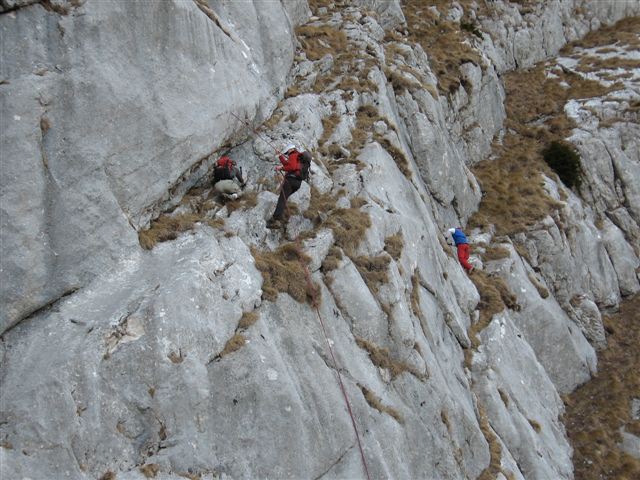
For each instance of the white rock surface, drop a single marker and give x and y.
(115, 109)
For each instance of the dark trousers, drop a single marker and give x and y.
(289, 187)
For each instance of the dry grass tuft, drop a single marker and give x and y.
(317, 41)
(109, 475)
(393, 245)
(400, 82)
(542, 290)
(329, 125)
(398, 155)
(415, 295)
(514, 198)
(233, 344)
(176, 357)
(150, 470)
(495, 450)
(535, 425)
(373, 270)
(624, 32)
(332, 260)
(248, 319)
(166, 228)
(495, 296)
(504, 397)
(599, 409)
(349, 226)
(381, 358)
(444, 416)
(493, 252)
(448, 45)
(376, 403)
(284, 271)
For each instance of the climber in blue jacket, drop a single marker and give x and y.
(462, 245)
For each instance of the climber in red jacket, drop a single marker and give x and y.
(295, 164)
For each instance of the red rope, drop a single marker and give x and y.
(315, 304)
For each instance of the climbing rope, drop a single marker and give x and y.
(316, 305)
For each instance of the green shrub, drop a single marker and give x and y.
(565, 161)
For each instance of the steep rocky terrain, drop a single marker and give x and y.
(150, 331)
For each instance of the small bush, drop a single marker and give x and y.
(565, 161)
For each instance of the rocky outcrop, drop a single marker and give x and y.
(106, 112)
(186, 360)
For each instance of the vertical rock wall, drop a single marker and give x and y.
(154, 362)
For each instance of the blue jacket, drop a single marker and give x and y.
(459, 237)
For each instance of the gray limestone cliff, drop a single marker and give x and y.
(115, 358)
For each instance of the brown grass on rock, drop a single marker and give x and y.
(248, 319)
(495, 449)
(376, 403)
(443, 40)
(233, 344)
(332, 260)
(374, 270)
(393, 245)
(165, 228)
(150, 470)
(597, 411)
(542, 290)
(381, 358)
(495, 296)
(495, 252)
(283, 271)
(317, 41)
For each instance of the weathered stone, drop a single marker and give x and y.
(100, 133)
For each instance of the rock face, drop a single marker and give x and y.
(105, 111)
(116, 359)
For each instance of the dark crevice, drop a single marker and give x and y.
(208, 11)
(5, 7)
(334, 463)
(45, 308)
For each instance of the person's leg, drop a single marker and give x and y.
(463, 256)
(289, 187)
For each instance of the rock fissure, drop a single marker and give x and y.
(338, 460)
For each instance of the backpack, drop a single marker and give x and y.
(223, 169)
(305, 165)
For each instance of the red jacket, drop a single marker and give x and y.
(292, 163)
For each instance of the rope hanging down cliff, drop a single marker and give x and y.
(316, 306)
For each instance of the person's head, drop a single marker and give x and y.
(452, 231)
(289, 148)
